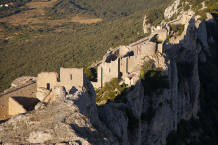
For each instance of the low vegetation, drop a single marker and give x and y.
(177, 29)
(153, 79)
(14, 7)
(110, 91)
(211, 6)
(103, 8)
(91, 74)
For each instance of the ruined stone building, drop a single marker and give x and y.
(20, 104)
(26, 92)
(125, 62)
(48, 84)
(20, 98)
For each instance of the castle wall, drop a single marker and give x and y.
(27, 91)
(108, 71)
(160, 48)
(148, 49)
(47, 78)
(70, 77)
(134, 63)
(3, 107)
(14, 107)
(124, 66)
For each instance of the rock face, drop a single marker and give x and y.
(62, 121)
(150, 118)
(146, 26)
(172, 9)
(22, 81)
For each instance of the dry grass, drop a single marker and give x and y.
(84, 20)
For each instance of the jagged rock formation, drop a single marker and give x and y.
(172, 9)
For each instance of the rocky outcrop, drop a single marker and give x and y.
(146, 26)
(61, 121)
(151, 118)
(22, 81)
(171, 10)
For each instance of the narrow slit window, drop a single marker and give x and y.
(48, 86)
(71, 77)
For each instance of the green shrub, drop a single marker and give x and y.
(110, 90)
(17, 7)
(187, 7)
(177, 29)
(153, 79)
(91, 74)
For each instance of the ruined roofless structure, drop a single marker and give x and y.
(125, 62)
(69, 78)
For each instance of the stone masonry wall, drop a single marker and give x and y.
(108, 71)
(45, 78)
(27, 91)
(70, 77)
(14, 107)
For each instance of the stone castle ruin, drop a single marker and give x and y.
(26, 92)
(125, 62)
(20, 98)
(18, 104)
(49, 88)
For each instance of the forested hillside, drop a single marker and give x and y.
(15, 7)
(49, 34)
(102, 8)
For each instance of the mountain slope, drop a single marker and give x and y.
(102, 8)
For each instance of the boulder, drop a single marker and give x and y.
(58, 93)
(42, 93)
